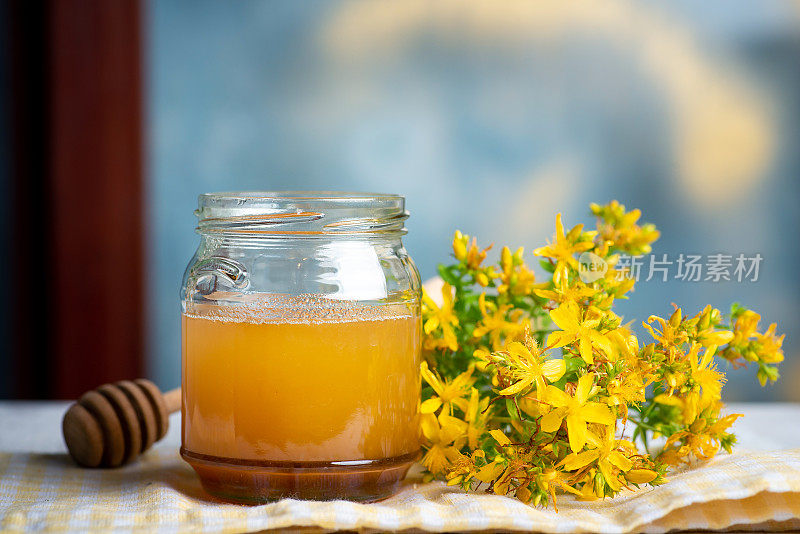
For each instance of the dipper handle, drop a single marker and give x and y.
(172, 400)
(114, 423)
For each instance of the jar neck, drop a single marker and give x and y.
(214, 240)
(301, 215)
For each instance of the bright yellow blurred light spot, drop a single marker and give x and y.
(723, 135)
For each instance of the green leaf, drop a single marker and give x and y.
(447, 274)
(512, 409)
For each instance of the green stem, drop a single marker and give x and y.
(643, 425)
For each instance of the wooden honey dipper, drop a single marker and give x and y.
(113, 424)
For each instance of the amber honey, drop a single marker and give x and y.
(307, 398)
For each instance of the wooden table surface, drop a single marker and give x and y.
(35, 426)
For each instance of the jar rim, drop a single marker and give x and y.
(332, 196)
(300, 212)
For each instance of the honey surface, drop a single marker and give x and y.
(299, 381)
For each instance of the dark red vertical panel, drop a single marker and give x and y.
(95, 174)
(29, 261)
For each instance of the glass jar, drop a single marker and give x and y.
(301, 347)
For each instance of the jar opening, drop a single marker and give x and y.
(301, 213)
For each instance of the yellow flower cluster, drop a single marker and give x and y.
(536, 387)
(617, 226)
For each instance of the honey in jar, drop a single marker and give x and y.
(303, 394)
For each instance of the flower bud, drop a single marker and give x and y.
(705, 319)
(460, 246)
(698, 425)
(599, 485)
(675, 319)
(640, 476)
(505, 258)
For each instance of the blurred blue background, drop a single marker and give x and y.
(491, 118)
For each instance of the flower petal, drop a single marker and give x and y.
(566, 316)
(608, 474)
(516, 388)
(551, 421)
(670, 400)
(576, 431)
(500, 437)
(559, 339)
(435, 460)
(430, 405)
(603, 342)
(430, 427)
(620, 460)
(559, 227)
(430, 378)
(573, 462)
(586, 350)
(431, 324)
(556, 397)
(596, 412)
(554, 369)
(447, 295)
(452, 428)
(640, 476)
(489, 472)
(518, 349)
(584, 388)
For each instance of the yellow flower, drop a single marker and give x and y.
(744, 328)
(523, 494)
(463, 469)
(460, 245)
(504, 414)
(619, 227)
(568, 318)
(747, 343)
(565, 246)
(448, 392)
(527, 367)
(699, 440)
(490, 471)
(617, 282)
(627, 345)
(714, 338)
(522, 282)
(495, 323)
(483, 358)
(502, 484)
(626, 390)
(476, 415)
(577, 410)
(610, 461)
(704, 374)
(669, 336)
(578, 292)
(769, 346)
(440, 317)
(706, 385)
(515, 277)
(723, 424)
(472, 255)
(551, 480)
(444, 436)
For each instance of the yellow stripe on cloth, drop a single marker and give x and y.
(746, 490)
